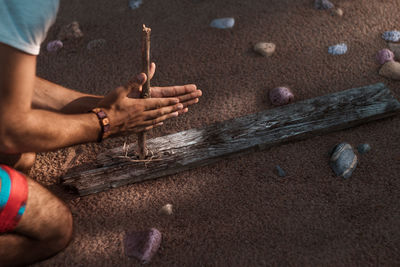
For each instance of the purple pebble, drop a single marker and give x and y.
(384, 56)
(281, 96)
(143, 245)
(54, 46)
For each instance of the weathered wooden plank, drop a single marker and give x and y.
(196, 147)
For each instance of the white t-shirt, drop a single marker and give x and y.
(24, 23)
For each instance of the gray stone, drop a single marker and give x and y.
(363, 148)
(323, 4)
(281, 172)
(96, 44)
(134, 4)
(395, 48)
(343, 160)
(223, 23)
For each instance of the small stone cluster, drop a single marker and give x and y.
(388, 57)
(73, 35)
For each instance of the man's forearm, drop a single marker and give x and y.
(53, 97)
(42, 130)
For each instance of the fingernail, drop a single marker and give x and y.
(175, 114)
(180, 106)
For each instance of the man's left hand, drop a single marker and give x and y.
(188, 94)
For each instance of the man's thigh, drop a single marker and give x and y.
(29, 209)
(45, 215)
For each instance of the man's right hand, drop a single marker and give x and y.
(130, 115)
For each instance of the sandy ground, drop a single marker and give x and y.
(237, 212)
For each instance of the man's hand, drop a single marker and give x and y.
(187, 94)
(135, 115)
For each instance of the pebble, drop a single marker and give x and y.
(338, 49)
(337, 11)
(323, 4)
(343, 160)
(166, 209)
(391, 70)
(133, 4)
(265, 49)
(363, 148)
(54, 46)
(70, 32)
(95, 44)
(143, 245)
(281, 96)
(281, 172)
(395, 48)
(384, 56)
(223, 23)
(392, 36)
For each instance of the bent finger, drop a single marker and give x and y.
(152, 70)
(135, 84)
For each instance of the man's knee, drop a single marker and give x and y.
(61, 230)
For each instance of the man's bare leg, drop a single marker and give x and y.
(44, 229)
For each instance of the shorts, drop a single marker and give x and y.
(13, 197)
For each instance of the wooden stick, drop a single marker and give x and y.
(197, 147)
(146, 91)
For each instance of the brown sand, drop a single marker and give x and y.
(237, 212)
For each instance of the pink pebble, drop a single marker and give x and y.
(281, 96)
(384, 56)
(143, 245)
(54, 46)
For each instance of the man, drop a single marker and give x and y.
(37, 115)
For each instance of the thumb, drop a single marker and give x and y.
(134, 84)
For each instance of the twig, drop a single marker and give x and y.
(146, 93)
(145, 161)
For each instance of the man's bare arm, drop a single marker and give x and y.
(24, 129)
(54, 97)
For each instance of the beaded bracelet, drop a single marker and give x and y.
(104, 123)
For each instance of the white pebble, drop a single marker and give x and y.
(223, 23)
(166, 209)
(392, 36)
(338, 49)
(265, 49)
(337, 12)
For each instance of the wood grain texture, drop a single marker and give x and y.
(197, 147)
